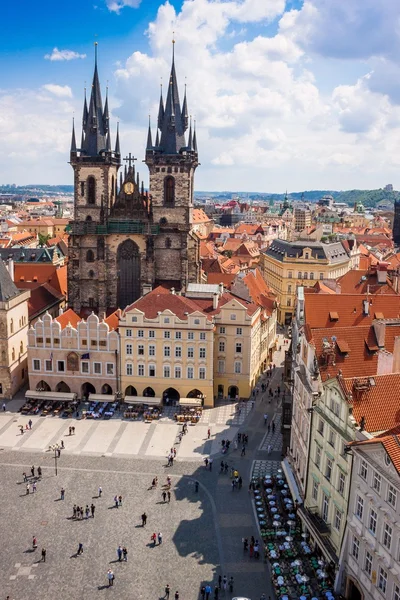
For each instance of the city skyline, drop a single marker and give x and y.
(300, 95)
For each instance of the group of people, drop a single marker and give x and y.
(31, 481)
(78, 513)
(253, 548)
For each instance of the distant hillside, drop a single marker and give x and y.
(367, 197)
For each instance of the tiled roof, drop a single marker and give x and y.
(226, 278)
(161, 299)
(390, 440)
(361, 282)
(113, 320)
(43, 297)
(378, 403)
(206, 304)
(232, 244)
(199, 216)
(249, 228)
(349, 308)
(259, 291)
(207, 250)
(374, 240)
(69, 316)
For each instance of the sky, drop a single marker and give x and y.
(295, 94)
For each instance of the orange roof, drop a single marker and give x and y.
(382, 391)
(259, 291)
(43, 297)
(349, 308)
(22, 236)
(249, 228)
(390, 440)
(232, 244)
(206, 304)
(68, 317)
(226, 278)
(363, 281)
(207, 250)
(113, 320)
(161, 299)
(199, 216)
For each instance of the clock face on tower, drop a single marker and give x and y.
(129, 188)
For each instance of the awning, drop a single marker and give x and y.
(293, 487)
(53, 396)
(101, 398)
(324, 544)
(143, 400)
(192, 402)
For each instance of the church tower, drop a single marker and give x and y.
(172, 163)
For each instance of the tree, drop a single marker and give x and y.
(43, 239)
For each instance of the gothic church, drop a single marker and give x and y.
(123, 240)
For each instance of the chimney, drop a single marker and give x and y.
(215, 301)
(173, 291)
(221, 288)
(365, 307)
(396, 355)
(11, 268)
(381, 272)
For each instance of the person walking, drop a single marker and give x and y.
(176, 597)
(34, 543)
(62, 494)
(28, 487)
(206, 462)
(39, 472)
(92, 508)
(208, 591)
(273, 427)
(30, 423)
(203, 592)
(224, 583)
(80, 549)
(116, 503)
(169, 496)
(119, 553)
(4, 407)
(33, 471)
(144, 519)
(265, 418)
(164, 496)
(44, 554)
(167, 591)
(34, 487)
(100, 491)
(87, 511)
(210, 462)
(125, 553)
(233, 485)
(159, 538)
(219, 581)
(269, 448)
(208, 433)
(240, 483)
(120, 500)
(196, 486)
(154, 539)
(110, 577)
(269, 427)
(216, 592)
(243, 452)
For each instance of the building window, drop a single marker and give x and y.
(169, 191)
(141, 370)
(321, 275)
(221, 347)
(396, 593)
(315, 488)
(233, 317)
(129, 368)
(238, 348)
(129, 349)
(84, 367)
(140, 350)
(167, 371)
(140, 333)
(36, 364)
(238, 367)
(48, 365)
(288, 302)
(167, 335)
(97, 368)
(11, 326)
(239, 331)
(134, 319)
(202, 336)
(202, 373)
(168, 243)
(221, 366)
(305, 275)
(318, 457)
(128, 333)
(363, 470)
(110, 369)
(152, 371)
(202, 353)
(90, 256)
(311, 275)
(166, 319)
(152, 333)
(321, 427)
(222, 330)
(91, 187)
(376, 482)
(178, 372)
(359, 507)
(328, 468)
(290, 274)
(332, 438)
(337, 521)
(373, 517)
(299, 275)
(178, 352)
(178, 335)
(382, 580)
(167, 351)
(387, 536)
(190, 352)
(152, 350)
(355, 548)
(342, 483)
(325, 507)
(190, 372)
(190, 335)
(392, 496)
(335, 407)
(368, 564)
(60, 366)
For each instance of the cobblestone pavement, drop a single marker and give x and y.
(202, 531)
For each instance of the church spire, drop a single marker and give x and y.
(94, 127)
(194, 138)
(73, 139)
(172, 122)
(190, 136)
(106, 115)
(160, 110)
(149, 144)
(185, 117)
(157, 139)
(117, 146)
(85, 111)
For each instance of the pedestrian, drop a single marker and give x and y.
(28, 487)
(159, 538)
(116, 502)
(167, 591)
(196, 486)
(269, 427)
(273, 427)
(251, 550)
(4, 407)
(203, 592)
(120, 500)
(269, 448)
(100, 492)
(34, 487)
(62, 493)
(110, 577)
(92, 508)
(233, 485)
(21, 428)
(33, 471)
(265, 418)
(125, 553)
(208, 433)
(222, 466)
(243, 452)
(224, 583)
(78, 512)
(44, 554)
(164, 496)
(30, 423)
(168, 481)
(169, 496)
(216, 593)
(256, 550)
(245, 544)
(39, 472)
(219, 581)
(154, 482)
(70, 430)
(153, 538)
(208, 591)
(176, 597)
(58, 452)
(34, 543)
(174, 452)
(25, 477)
(80, 549)
(73, 430)
(62, 444)
(240, 483)
(144, 519)
(87, 511)
(210, 462)
(74, 511)
(206, 462)
(231, 584)
(81, 512)
(226, 467)
(119, 553)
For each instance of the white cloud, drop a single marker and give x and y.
(117, 5)
(58, 55)
(61, 91)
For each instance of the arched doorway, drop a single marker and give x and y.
(149, 392)
(353, 591)
(195, 394)
(233, 392)
(128, 273)
(106, 389)
(172, 394)
(42, 386)
(130, 391)
(87, 388)
(63, 388)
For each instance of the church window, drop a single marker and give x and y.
(169, 191)
(162, 169)
(90, 256)
(82, 188)
(169, 170)
(157, 169)
(88, 219)
(176, 169)
(91, 274)
(182, 170)
(168, 243)
(91, 198)
(112, 187)
(91, 302)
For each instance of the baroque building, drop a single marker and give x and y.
(125, 241)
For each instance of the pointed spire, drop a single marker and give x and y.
(85, 111)
(117, 146)
(157, 139)
(82, 140)
(194, 137)
(73, 139)
(94, 129)
(106, 115)
(108, 143)
(185, 118)
(149, 138)
(137, 180)
(160, 110)
(190, 135)
(172, 126)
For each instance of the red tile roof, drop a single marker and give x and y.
(68, 317)
(363, 281)
(43, 297)
(199, 216)
(113, 320)
(259, 291)
(390, 440)
(161, 299)
(249, 228)
(226, 278)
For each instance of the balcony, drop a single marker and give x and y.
(125, 227)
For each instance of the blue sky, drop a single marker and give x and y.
(294, 94)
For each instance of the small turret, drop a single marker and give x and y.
(73, 139)
(149, 144)
(117, 146)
